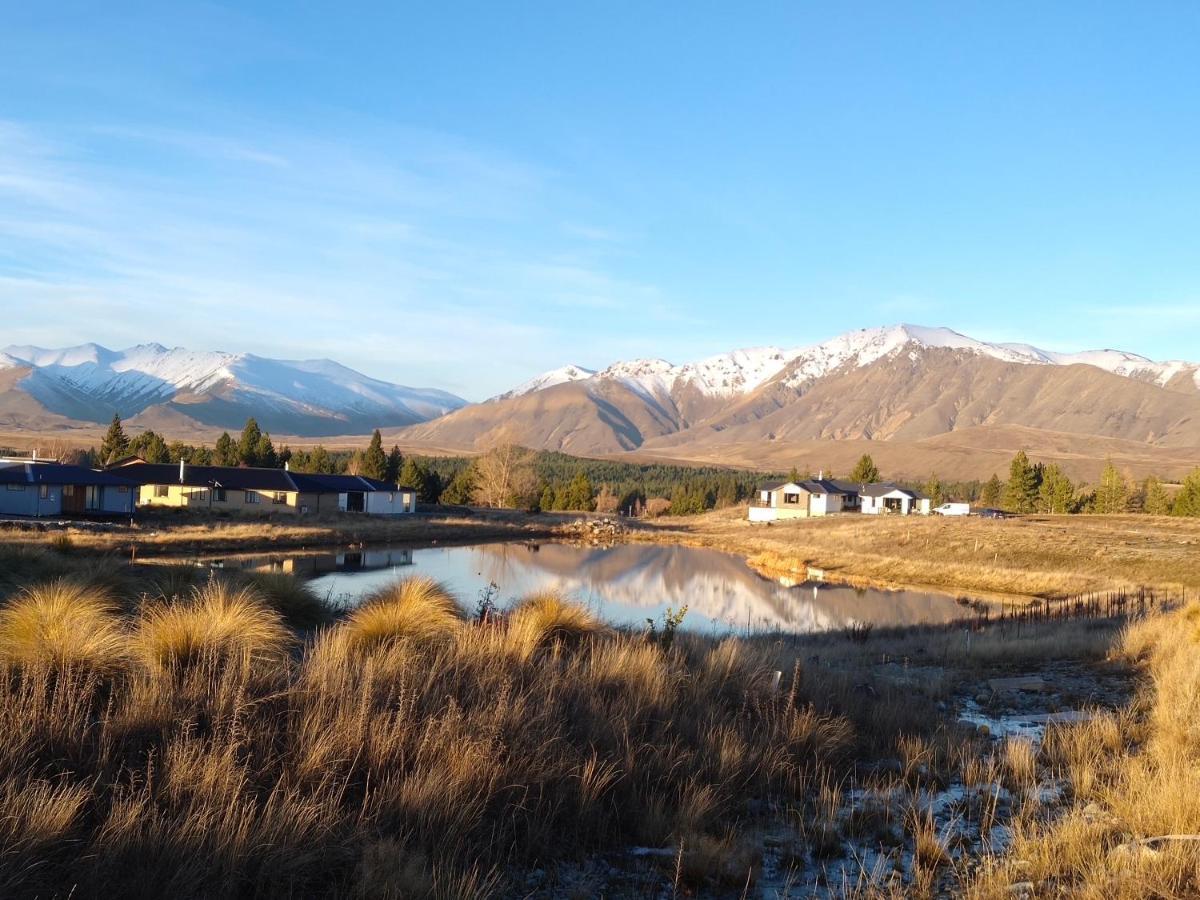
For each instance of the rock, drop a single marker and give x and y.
(1022, 889)
(1134, 853)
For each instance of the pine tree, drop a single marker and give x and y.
(934, 491)
(115, 443)
(264, 452)
(546, 504)
(794, 476)
(865, 471)
(395, 462)
(150, 446)
(374, 461)
(1020, 495)
(1187, 501)
(225, 453)
(1056, 493)
(1155, 501)
(413, 475)
(990, 495)
(461, 489)
(578, 494)
(247, 446)
(1112, 496)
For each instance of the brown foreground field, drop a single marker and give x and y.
(1031, 556)
(166, 733)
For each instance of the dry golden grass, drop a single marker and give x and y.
(1033, 556)
(547, 619)
(63, 624)
(217, 620)
(416, 608)
(1135, 781)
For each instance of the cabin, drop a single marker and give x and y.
(40, 489)
(803, 499)
(257, 491)
(890, 499)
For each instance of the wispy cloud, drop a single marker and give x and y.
(412, 256)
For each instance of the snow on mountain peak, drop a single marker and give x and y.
(561, 375)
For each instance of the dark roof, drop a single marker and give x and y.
(828, 486)
(773, 485)
(208, 476)
(338, 484)
(880, 488)
(56, 473)
(246, 478)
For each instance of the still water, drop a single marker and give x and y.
(625, 584)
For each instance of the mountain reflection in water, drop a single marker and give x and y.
(625, 584)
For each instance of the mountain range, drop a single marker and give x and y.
(918, 399)
(184, 392)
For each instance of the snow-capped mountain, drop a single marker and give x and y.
(306, 397)
(740, 372)
(561, 375)
(900, 386)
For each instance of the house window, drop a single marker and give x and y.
(68, 490)
(200, 495)
(251, 497)
(791, 498)
(162, 490)
(220, 495)
(16, 487)
(122, 489)
(44, 492)
(279, 498)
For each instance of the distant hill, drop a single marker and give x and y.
(182, 392)
(923, 398)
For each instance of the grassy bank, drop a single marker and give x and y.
(162, 733)
(1033, 556)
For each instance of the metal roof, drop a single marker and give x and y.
(57, 473)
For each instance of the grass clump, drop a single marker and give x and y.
(217, 620)
(412, 608)
(547, 619)
(61, 623)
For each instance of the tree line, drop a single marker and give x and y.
(512, 476)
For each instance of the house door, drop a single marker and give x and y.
(355, 501)
(94, 493)
(72, 499)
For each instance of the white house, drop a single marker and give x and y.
(881, 499)
(802, 499)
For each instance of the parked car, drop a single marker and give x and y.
(952, 509)
(993, 514)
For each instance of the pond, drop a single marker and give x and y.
(626, 584)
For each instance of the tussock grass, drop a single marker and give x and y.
(548, 619)
(62, 624)
(1134, 777)
(412, 608)
(217, 620)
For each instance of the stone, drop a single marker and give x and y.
(1022, 889)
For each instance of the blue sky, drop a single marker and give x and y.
(461, 195)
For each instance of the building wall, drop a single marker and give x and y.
(185, 496)
(118, 499)
(20, 500)
(391, 503)
(36, 500)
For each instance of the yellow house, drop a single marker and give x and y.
(255, 491)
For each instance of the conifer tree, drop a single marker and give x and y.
(990, 495)
(578, 494)
(1056, 493)
(150, 446)
(115, 443)
(1187, 501)
(546, 504)
(247, 447)
(1112, 496)
(794, 476)
(865, 471)
(1155, 501)
(395, 462)
(264, 452)
(934, 491)
(225, 453)
(374, 460)
(461, 489)
(1020, 495)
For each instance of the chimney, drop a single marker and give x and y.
(287, 465)
(820, 475)
(182, 468)
(35, 454)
